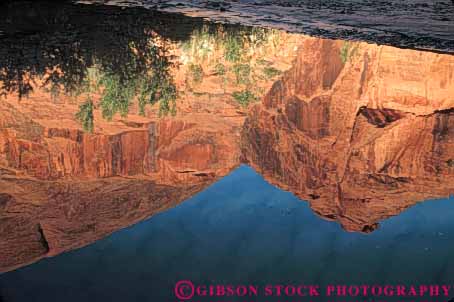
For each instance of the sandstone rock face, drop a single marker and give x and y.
(41, 219)
(63, 187)
(49, 149)
(360, 131)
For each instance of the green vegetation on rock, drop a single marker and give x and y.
(245, 97)
(85, 116)
(242, 73)
(271, 72)
(347, 51)
(196, 73)
(220, 69)
(116, 96)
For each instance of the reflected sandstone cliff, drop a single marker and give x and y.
(62, 188)
(91, 142)
(360, 131)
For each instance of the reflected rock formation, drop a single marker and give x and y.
(100, 129)
(77, 164)
(360, 131)
(62, 188)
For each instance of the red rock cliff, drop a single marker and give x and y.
(359, 131)
(63, 188)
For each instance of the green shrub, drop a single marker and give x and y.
(242, 73)
(245, 97)
(347, 51)
(271, 72)
(116, 96)
(201, 44)
(258, 36)
(220, 69)
(158, 90)
(263, 62)
(344, 52)
(167, 98)
(85, 116)
(196, 73)
(233, 47)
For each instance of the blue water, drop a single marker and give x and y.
(242, 230)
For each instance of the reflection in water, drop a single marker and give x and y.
(243, 230)
(86, 145)
(361, 135)
(105, 125)
(128, 57)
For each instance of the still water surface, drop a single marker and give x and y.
(141, 148)
(242, 230)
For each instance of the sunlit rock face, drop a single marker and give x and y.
(360, 131)
(46, 148)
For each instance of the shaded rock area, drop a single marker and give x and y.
(50, 218)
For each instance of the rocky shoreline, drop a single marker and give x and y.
(404, 24)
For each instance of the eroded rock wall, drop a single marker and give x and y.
(360, 131)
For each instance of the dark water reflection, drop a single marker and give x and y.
(110, 116)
